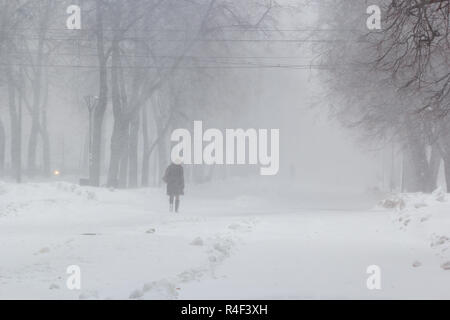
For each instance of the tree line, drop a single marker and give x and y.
(142, 67)
(393, 84)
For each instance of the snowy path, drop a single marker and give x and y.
(324, 255)
(241, 247)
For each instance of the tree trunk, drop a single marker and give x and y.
(123, 153)
(121, 129)
(446, 158)
(146, 153)
(162, 160)
(46, 165)
(133, 152)
(417, 168)
(433, 168)
(99, 113)
(46, 169)
(162, 126)
(32, 146)
(444, 144)
(37, 93)
(118, 142)
(2, 148)
(15, 126)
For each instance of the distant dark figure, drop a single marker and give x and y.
(174, 177)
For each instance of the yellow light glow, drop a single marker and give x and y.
(56, 173)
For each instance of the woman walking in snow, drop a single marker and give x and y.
(174, 177)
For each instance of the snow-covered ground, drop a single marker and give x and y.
(232, 240)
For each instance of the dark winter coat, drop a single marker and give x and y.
(174, 177)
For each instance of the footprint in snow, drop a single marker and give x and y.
(190, 275)
(43, 251)
(417, 264)
(93, 295)
(162, 289)
(197, 242)
(439, 240)
(446, 265)
(234, 226)
(136, 294)
(239, 227)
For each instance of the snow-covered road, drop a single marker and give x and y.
(228, 243)
(325, 255)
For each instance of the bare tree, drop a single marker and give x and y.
(388, 80)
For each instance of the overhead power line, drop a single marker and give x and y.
(76, 54)
(267, 66)
(179, 40)
(176, 30)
